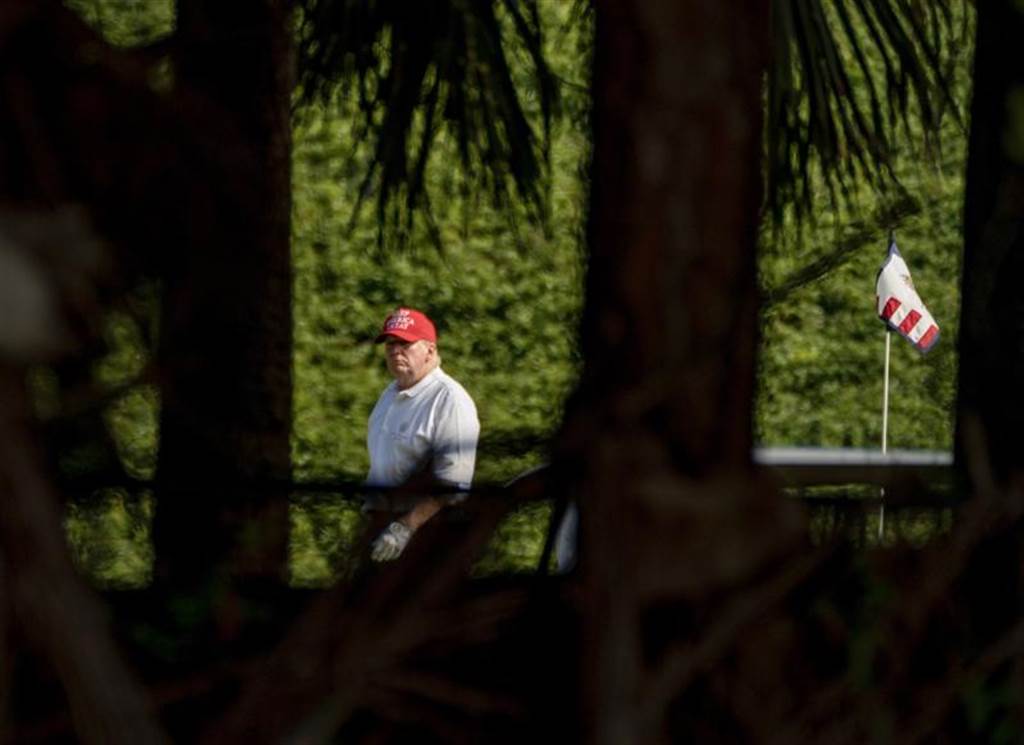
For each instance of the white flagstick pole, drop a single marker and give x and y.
(885, 430)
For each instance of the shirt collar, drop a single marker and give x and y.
(424, 382)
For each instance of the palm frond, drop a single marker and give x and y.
(420, 68)
(824, 109)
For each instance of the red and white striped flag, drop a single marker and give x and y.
(899, 305)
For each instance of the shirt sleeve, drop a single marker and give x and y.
(455, 439)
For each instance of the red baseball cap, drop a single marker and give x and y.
(409, 325)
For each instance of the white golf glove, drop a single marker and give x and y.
(390, 543)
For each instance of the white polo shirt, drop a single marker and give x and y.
(431, 424)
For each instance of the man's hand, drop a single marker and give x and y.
(390, 543)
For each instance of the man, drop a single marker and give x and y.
(423, 431)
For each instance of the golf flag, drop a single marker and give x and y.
(899, 305)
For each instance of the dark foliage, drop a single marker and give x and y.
(420, 68)
(840, 89)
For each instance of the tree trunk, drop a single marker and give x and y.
(990, 405)
(991, 344)
(225, 340)
(658, 437)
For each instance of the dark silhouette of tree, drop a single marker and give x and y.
(991, 344)
(224, 350)
(658, 437)
(990, 406)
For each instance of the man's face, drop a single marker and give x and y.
(408, 361)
